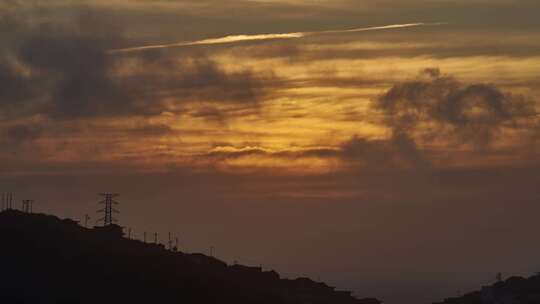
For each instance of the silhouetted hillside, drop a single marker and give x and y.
(48, 260)
(515, 290)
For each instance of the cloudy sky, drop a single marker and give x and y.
(386, 148)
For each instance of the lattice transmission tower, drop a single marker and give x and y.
(108, 210)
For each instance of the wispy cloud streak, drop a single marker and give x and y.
(244, 38)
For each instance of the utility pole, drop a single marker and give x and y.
(7, 201)
(155, 238)
(108, 210)
(86, 218)
(176, 244)
(27, 206)
(170, 242)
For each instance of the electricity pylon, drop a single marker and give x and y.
(108, 210)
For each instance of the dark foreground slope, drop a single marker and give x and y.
(47, 260)
(515, 290)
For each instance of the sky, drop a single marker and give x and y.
(391, 149)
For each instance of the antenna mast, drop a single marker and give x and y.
(108, 210)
